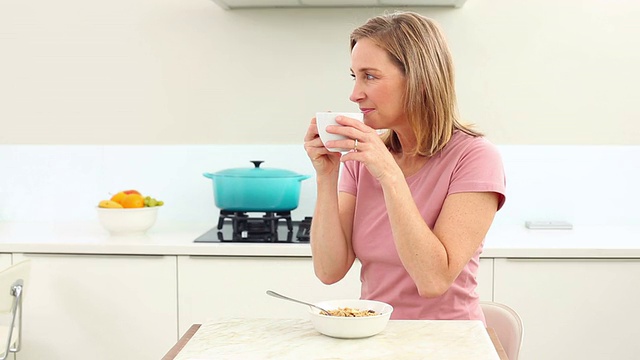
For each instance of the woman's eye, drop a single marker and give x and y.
(366, 76)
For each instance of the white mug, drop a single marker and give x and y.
(324, 119)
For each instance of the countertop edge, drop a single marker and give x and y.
(595, 242)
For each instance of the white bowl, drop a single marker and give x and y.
(351, 327)
(324, 119)
(135, 221)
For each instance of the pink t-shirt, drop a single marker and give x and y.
(465, 164)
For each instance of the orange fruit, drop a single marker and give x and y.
(133, 201)
(108, 204)
(118, 197)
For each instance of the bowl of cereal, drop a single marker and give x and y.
(351, 319)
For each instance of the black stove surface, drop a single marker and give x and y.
(225, 233)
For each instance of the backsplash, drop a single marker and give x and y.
(588, 185)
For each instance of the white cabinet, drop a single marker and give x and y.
(573, 308)
(5, 261)
(135, 307)
(99, 307)
(485, 280)
(213, 287)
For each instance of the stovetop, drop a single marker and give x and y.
(245, 233)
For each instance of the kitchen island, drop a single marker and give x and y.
(558, 277)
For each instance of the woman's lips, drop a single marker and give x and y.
(366, 111)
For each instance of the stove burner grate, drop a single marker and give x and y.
(304, 229)
(247, 227)
(257, 229)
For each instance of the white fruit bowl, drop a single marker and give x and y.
(127, 222)
(351, 327)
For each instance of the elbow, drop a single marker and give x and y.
(433, 289)
(327, 278)
(328, 281)
(329, 273)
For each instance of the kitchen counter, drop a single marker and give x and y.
(177, 239)
(297, 339)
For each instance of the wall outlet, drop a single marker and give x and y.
(548, 225)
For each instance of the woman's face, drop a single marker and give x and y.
(379, 86)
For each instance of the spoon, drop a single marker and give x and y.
(279, 296)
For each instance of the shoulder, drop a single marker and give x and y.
(464, 145)
(476, 165)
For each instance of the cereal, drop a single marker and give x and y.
(349, 312)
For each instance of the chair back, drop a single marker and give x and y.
(507, 324)
(12, 284)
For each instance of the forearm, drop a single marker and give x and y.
(423, 255)
(329, 245)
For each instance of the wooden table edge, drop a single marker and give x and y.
(497, 344)
(173, 352)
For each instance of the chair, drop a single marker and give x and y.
(507, 324)
(12, 283)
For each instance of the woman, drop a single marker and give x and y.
(412, 205)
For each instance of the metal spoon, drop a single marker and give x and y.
(275, 294)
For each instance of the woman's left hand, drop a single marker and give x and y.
(367, 147)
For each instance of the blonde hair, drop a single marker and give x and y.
(416, 44)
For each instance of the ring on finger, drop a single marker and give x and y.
(355, 146)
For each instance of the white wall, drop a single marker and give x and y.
(188, 72)
(585, 185)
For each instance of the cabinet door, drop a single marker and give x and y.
(214, 287)
(5, 261)
(485, 280)
(211, 287)
(99, 307)
(573, 309)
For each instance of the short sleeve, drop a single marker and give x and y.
(480, 169)
(348, 178)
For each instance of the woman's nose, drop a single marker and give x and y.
(356, 94)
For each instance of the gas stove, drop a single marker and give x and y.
(261, 227)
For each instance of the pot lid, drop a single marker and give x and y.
(257, 172)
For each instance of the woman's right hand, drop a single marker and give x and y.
(324, 161)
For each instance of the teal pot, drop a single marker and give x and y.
(254, 189)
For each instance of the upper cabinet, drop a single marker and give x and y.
(244, 4)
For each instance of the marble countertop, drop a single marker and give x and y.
(177, 239)
(297, 339)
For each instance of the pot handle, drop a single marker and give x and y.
(303, 177)
(257, 163)
(208, 175)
